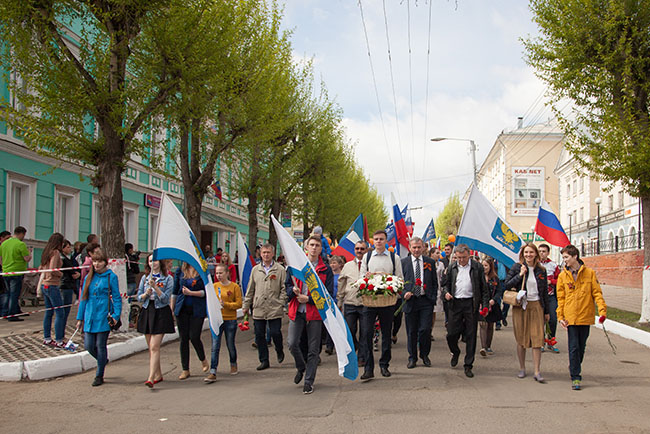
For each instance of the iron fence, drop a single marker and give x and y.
(612, 245)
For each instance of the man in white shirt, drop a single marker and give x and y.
(378, 261)
(465, 290)
(347, 299)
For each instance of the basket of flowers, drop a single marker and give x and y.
(379, 290)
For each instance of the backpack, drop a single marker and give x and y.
(369, 255)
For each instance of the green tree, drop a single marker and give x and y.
(67, 88)
(596, 54)
(448, 221)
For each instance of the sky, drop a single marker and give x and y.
(477, 85)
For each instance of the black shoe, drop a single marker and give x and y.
(307, 389)
(426, 361)
(505, 322)
(411, 364)
(367, 375)
(385, 372)
(329, 351)
(263, 366)
(298, 378)
(281, 357)
(15, 319)
(98, 381)
(454, 360)
(469, 373)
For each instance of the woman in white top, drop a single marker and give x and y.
(528, 319)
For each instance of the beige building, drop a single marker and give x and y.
(518, 173)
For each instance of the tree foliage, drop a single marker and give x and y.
(448, 221)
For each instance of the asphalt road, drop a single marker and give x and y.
(615, 395)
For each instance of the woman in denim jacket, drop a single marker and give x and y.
(100, 296)
(155, 318)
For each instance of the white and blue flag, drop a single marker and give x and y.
(176, 241)
(332, 317)
(483, 229)
(429, 233)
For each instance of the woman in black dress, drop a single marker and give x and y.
(155, 291)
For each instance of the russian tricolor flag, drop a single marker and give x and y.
(245, 263)
(351, 237)
(401, 233)
(548, 227)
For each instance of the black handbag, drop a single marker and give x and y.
(494, 315)
(112, 323)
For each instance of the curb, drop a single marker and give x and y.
(626, 331)
(66, 364)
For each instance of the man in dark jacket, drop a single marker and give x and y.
(465, 290)
(420, 293)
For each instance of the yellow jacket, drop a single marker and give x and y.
(575, 299)
(231, 300)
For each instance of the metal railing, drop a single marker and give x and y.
(612, 245)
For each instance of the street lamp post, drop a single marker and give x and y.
(598, 201)
(472, 150)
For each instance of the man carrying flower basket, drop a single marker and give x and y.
(379, 293)
(420, 294)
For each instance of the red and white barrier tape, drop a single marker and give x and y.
(35, 271)
(123, 294)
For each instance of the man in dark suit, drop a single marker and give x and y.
(465, 289)
(420, 292)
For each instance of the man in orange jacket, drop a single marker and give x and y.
(577, 291)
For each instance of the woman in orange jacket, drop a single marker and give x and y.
(577, 290)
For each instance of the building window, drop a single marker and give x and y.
(582, 214)
(21, 203)
(568, 190)
(153, 228)
(96, 219)
(582, 184)
(131, 224)
(575, 187)
(610, 202)
(66, 213)
(621, 199)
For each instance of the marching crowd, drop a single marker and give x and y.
(472, 294)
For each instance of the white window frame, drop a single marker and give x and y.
(131, 213)
(153, 223)
(96, 226)
(71, 229)
(28, 203)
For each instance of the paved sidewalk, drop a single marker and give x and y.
(623, 298)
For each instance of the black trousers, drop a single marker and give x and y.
(418, 328)
(397, 319)
(385, 315)
(354, 318)
(189, 330)
(463, 320)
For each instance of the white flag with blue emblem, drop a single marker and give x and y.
(482, 229)
(332, 317)
(176, 241)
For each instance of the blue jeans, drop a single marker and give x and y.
(52, 297)
(95, 343)
(230, 328)
(552, 310)
(578, 335)
(14, 285)
(67, 294)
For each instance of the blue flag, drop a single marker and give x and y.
(429, 233)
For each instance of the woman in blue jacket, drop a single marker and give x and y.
(190, 309)
(100, 288)
(155, 291)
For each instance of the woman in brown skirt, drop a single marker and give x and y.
(529, 278)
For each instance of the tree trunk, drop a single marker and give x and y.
(645, 302)
(252, 220)
(276, 210)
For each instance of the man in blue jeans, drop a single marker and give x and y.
(552, 273)
(14, 256)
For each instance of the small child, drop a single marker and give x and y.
(231, 299)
